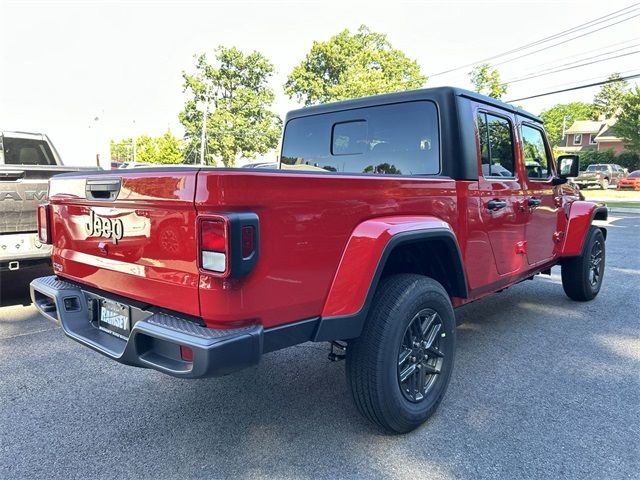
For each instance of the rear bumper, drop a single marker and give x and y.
(155, 338)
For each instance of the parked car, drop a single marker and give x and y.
(261, 165)
(394, 224)
(27, 161)
(631, 182)
(601, 175)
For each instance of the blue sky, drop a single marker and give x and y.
(64, 64)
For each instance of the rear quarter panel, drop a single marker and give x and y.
(306, 221)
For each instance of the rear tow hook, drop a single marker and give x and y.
(338, 351)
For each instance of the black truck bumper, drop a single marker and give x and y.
(155, 337)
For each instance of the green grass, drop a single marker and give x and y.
(614, 198)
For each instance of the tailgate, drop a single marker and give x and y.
(131, 234)
(22, 189)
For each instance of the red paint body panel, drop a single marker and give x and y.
(155, 262)
(361, 257)
(580, 217)
(321, 237)
(306, 222)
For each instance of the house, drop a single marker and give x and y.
(585, 135)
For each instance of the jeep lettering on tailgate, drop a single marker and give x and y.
(112, 228)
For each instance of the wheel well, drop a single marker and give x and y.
(437, 258)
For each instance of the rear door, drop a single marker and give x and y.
(542, 197)
(500, 189)
(131, 234)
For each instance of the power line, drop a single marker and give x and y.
(563, 60)
(591, 23)
(570, 68)
(565, 64)
(565, 41)
(633, 71)
(579, 87)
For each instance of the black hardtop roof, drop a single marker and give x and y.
(410, 95)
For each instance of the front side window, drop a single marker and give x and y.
(534, 153)
(496, 146)
(24, 151)
(577, 139)
(397, 139)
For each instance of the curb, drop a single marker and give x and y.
(624, 210)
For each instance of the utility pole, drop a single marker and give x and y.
(135, 138)
(203, 134)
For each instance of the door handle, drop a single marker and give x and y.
(11, 174)
(496, 204)
(533, 201)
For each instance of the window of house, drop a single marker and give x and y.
(496, 146)
(396, 139)
(577, 139)
(592, 139)
(534, 152)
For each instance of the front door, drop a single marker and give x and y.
(500, 191)
(541, 201)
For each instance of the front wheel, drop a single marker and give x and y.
(399, 368)
(582, 276)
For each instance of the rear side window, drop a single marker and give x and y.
(534, 153)
(398, 139)
(496, 146)
(22, 151)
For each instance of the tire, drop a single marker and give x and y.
(404, 306)
(605, 184)
(582, 276)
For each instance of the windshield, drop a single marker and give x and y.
(597, 168)
(635, 174)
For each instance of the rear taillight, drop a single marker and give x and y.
(44, 226)
(214, 245)
(229, 243)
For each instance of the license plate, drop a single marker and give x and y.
(114, 319)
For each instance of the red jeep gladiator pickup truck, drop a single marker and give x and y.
(385, 214)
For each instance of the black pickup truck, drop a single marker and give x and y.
(27, 161)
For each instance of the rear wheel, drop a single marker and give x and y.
(399, 368)
(582, 276)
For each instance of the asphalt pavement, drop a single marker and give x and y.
(543, 387)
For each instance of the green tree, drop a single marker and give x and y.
(235, 92)
(170, 149)
(628, 125)
(121, 151)
(352, 65)
(166, 149)
(565, 114)
(147, 149)
(486, 80)
(610, 97)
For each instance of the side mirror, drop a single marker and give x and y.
(568, 166)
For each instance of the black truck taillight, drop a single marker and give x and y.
(44, 224)
(229, 243)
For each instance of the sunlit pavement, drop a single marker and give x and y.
(543, 387)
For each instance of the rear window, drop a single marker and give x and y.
(23, 151)
(398, 139)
